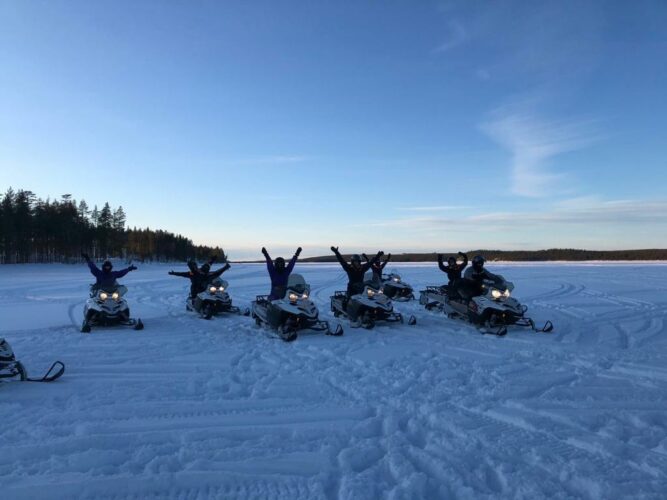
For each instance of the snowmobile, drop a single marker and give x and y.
(492, 311)
(395, 288)
(293, 313)
(11, 368)
(214, 300)
(374, 306)
(107, 306)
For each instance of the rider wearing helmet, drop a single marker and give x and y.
(475, 276)
(200, 277)
(105, 278)
(279, 273)
(355, 270)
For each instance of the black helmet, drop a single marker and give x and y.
(478, 262)
(205, 268)
(355, 258)
(106, 266)
(279, 264)
(451, 260)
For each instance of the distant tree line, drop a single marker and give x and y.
(33, 230)
(553, 254)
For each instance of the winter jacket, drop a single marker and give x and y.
(278, 278)
(453, 272)
(106, 280)
(480, 277)
(199, 280)
(355, 276)
(378, 267)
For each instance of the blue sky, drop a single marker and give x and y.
(400, 125)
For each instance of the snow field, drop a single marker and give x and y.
(194, 409)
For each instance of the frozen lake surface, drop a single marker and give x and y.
(194, 409)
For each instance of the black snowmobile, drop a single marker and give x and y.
(492, 311)
(292, 314)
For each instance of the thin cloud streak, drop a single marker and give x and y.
(533, 143)
(617, 212)
(434, 209)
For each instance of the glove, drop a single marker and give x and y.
(132, 268)
(264, 251)
(227, 266)
(334, 249)
(85, 256)
(461, 254)
(298, 251)
(380, 253)
(388, 256)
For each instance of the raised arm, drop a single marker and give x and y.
(94, 270)
(382, 266)
(123, 272)
(340, 259)
(463, 264)
(217, 273)
(269, 263)
(185, 274)
(292, 261)
(375, 260)
(442, 266)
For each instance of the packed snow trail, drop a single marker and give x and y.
(190, 408)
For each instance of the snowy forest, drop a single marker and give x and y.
(33, 230)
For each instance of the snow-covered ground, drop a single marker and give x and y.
(195, 409)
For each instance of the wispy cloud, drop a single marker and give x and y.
(455, 35)
(533, 144)
(593, 213)
(439, 208)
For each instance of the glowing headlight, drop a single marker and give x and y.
(380, 291)
(370, 293)
(496, 294)
(212, 289)
(507, 293)
(397, 279)
(115, 296)
(221, 289)
(293, 297)
(304, 296)
(103, 296)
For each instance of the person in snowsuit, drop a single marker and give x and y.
(200, 277)
(454, 272)
(355, 275)
(472, 283)
(377, 268)
(279, 274)
(105, 277)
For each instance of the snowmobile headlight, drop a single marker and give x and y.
(221, 289)
(496, 294)
(507, 293)
(115, 296)
(104, 296)
(293, 297)
(370, 292)
(212, 290)
(304, 296)
(397, 279)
